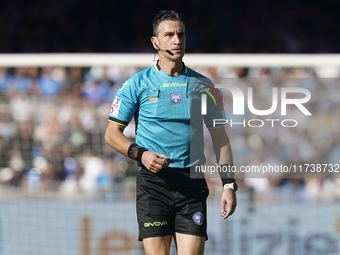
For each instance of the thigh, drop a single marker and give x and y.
(189, 244)
(157, 245)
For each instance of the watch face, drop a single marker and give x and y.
(134, 153)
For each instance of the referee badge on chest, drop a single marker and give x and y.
(175, 97)
(198, 218)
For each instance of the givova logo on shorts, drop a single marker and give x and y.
(155, 224)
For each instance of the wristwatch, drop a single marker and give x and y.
(135, 152)
(232, 186)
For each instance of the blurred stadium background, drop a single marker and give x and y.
(64, 191)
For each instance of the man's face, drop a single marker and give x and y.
(171, 36)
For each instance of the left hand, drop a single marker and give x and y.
(228, 198)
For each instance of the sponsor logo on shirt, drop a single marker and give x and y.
(176, 97)
(115, 106)
(165, 85)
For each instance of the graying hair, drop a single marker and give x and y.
(165, 15)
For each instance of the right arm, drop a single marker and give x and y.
(117, 140)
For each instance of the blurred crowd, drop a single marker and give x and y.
(53, 120)
(52, 124)
(216, 27)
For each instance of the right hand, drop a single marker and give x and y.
(153, 161)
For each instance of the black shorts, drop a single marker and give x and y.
(170, 201)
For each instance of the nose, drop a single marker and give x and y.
(177, 40)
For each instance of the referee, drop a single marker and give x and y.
(163, 100)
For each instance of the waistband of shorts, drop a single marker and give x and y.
(182, 171)
(166, 169)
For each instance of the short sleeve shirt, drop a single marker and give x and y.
(167, 112)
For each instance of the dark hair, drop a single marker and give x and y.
(165, 15)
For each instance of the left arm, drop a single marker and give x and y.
(224, 156)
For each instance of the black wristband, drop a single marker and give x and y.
(135, 152)
(225, 176)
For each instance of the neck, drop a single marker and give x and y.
(171, 67)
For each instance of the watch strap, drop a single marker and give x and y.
(232, 186)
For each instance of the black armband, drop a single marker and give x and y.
(135, 152)
(227, 173)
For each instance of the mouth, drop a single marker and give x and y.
(176, 50)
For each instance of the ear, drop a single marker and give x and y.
(154, 42)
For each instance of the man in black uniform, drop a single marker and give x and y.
(170, 203)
